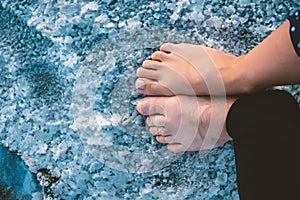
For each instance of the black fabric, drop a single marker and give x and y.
(295, 31)
(265, 128)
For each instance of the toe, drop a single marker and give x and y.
(143, 106)
(176, 148)
(156, 120)
(150, 106)
(161, 139)
(157, 131)
(140, 83)
(159, 56)
(152, 87)
(147, 73)
(165, 139)
(153, 130)
(151, 64)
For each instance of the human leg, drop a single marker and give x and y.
(265, 128)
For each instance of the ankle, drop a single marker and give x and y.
(237, 79)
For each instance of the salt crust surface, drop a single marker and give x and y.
(46, 44)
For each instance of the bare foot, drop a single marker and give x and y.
(183, 122)
(184, 69)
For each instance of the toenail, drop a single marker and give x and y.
(140, 84)
(138, 71)
(143, 108)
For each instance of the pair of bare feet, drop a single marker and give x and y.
(176, 80)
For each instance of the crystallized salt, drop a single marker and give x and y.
(63, 41)
(101, 18)
(92, 6)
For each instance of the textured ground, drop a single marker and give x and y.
(67, 98)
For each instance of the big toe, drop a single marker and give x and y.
(152, 88)
(151, 106)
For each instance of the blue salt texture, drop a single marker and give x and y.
(68, 102)
(16, 181)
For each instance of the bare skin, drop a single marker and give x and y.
(169, 73)
(183, 70)
(273, 62)
(173, 121)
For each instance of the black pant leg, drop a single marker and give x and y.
(265, 128)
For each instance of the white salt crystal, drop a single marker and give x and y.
(174, 16)
(42, 149)
(121, 24)
(68, 39)
(109, 25)
(32, 20)
(101, 18)
(92, 6)
(133, 24)
(71, 61)
(101, 121)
